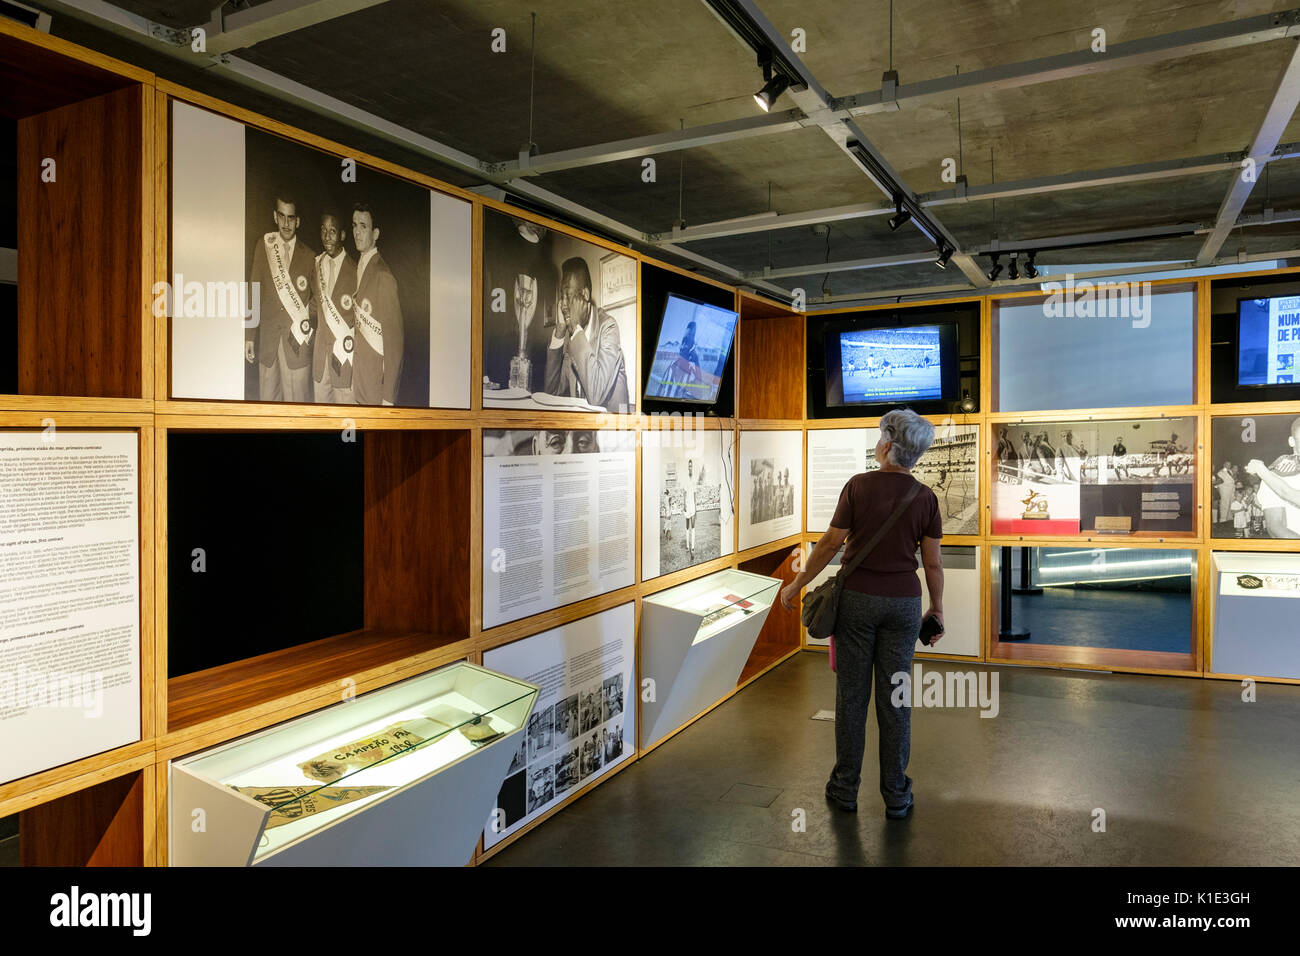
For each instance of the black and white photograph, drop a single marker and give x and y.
(566, 719)
(593, 754)
(520, 759)
(612, 697)
(771, 486)
(1255, 488)
(613, 736)
(539, 733)
(770, 493)
(1061, 477)
(559, 320)
(687, 495)
(950, 468)
(591, 708)
(566, 771)
(541, 786)
(340, 272)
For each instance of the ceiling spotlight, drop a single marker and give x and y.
(1031, 271)
(900, 215)
(771, 90)
(945, 253)
(997, 268)
(1013, 272)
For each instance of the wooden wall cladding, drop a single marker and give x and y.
(770, 351)
(417, 557)
(781, 631)
(98, 826)
(79, 271)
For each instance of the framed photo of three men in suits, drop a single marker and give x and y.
(302, 276)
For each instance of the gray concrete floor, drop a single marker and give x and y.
(1186, 772)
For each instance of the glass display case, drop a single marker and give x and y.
(405, 775)
(695, 639)
(1254, 599)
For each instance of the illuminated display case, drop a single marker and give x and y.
(1254, 598)
(695, 639)
(405, 775)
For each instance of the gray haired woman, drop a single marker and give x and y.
(879, 614)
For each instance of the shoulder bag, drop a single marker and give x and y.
(821, 605)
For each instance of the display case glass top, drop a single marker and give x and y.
(720, 599)
(312, 770)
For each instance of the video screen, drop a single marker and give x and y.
(694, 342)
(1268, 340)
(886, 365)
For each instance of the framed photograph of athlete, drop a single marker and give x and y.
(1255, 488)
(559, 320)
(301, 276)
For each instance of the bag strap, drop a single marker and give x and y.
(847, 569)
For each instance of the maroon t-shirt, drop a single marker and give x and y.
(865, 504)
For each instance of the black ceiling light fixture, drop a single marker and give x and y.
(1013, 271)
(996, 271)
(774, 84)
(1031, 270)
(900, 215)
(944, 254)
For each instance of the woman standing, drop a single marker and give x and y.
(880, 608)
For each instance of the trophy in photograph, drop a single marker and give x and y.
(1035, 505)
(521, 367)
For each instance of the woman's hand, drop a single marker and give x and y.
(789, 596)
(938, 616)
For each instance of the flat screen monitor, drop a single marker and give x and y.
(1268, 341)
(887, 365)
(691, 351)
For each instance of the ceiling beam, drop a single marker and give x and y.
(245, 28)
(1113, 176)
(1281, 107)
(844, 265)
(640, 146)
(1064, 66)
(1147, 50)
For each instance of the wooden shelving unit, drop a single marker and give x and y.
(93, 355)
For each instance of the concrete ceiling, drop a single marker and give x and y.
(610, 71)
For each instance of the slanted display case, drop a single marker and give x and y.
(402, 776)
(1254, 597)
(695, 639)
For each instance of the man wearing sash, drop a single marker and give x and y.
(334, 277)
(281, 343)
(377, 361)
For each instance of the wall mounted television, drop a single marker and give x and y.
(691, 351)
(1268, 341)
(871, 362)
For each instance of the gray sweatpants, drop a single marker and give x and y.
(873, 633)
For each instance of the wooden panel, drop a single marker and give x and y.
(40, 73)
(79, 274)
(98, 826)
(231, 688)
(418, 493)
(782, 631)
(770, 366)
